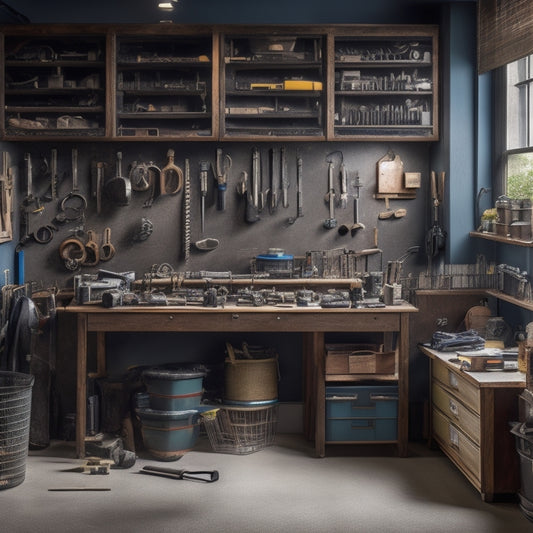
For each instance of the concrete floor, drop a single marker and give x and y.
(282, 488)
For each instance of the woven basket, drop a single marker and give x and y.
(249, 380)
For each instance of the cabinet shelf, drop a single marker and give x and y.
(524, 304)
(500, 238)
(54, 109)
(163, 115)
(54, 64)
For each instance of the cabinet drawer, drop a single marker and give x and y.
(361, 429)
(456, 411)
(362, 402)
(467, 392)
(454, 442)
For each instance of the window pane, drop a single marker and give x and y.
(520, 175)
(518, 108)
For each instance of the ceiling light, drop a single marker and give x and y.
(166, 6)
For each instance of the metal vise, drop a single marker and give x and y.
(89, 288)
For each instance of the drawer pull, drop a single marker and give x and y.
(384, 397)
(452, 379)
(371, 425)
(454, 437)
(454, 409)
(342, 398)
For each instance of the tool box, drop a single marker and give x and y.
(362, 413)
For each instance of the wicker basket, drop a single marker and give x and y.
(241, 430)
(250, 380)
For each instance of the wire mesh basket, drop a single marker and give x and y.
(241, 430)
(15, 413)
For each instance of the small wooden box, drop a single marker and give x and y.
(359, 359)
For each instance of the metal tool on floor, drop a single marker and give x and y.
(206, 476)
(94, 466)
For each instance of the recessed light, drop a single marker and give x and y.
(166, 6)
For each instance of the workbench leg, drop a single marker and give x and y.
(403, 385)
(81, 392)
(100, 357)
(320, 393)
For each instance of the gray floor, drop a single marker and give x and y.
(282, 488)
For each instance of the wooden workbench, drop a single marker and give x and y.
(311, 322)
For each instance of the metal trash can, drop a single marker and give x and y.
(15, 414)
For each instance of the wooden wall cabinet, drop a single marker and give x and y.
(238, 83)
(273, 86)
(54, 86)
(385, 84)
(164, 86)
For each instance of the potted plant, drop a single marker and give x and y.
(488, 218)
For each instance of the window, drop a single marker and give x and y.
(519, 129)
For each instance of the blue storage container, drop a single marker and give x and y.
(167, 435)
(362, 413)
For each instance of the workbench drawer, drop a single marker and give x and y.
(361, 429)
(453, 381)
(457, 445)
(362, 402)
(455, 410)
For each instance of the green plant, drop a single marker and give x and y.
(490, 214)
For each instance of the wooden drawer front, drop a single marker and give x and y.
(457, 444)
(467, 392)
(466, 420)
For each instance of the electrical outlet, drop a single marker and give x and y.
(443, 321)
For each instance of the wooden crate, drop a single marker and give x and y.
(359, 359)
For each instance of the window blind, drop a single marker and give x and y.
(505, 32)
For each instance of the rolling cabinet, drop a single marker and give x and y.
(164, 86)
(54, 84)
(385, 84)
(470, 416)
(273, 85)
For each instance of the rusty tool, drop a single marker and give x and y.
(330, 222)
(171, 177)
(344, 228)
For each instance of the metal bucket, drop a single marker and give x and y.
(15, 414)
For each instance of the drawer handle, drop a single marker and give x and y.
(454, 437)
(384, 397)
(452, 379)
(454, 409)
(371, 424)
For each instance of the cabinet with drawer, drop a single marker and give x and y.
(362, 413)
(470, 415)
